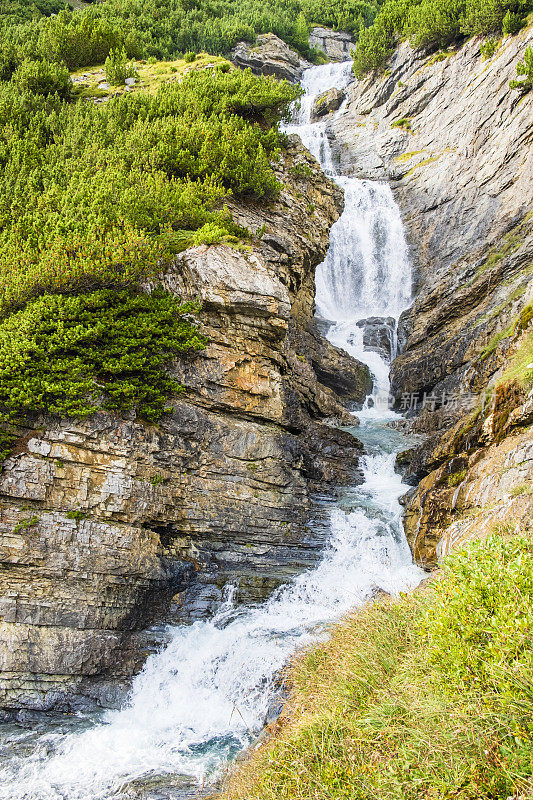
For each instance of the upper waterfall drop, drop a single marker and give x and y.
(365, 281)
(367, 270)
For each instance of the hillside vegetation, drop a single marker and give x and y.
(429, 696)
(433, 24)
(163, 28)
(98, 198)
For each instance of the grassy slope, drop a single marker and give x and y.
(152, 75)
(428, 696)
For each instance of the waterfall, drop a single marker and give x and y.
(205, 695)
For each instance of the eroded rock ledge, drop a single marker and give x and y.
(107, 525)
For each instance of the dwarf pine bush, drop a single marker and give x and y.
(94, 197)
(524, 68)
(118, 68)
(433, 24)
(70, 355)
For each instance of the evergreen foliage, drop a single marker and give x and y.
(167, 28)
(95, 199)
(117, 68)
(525, 69)
(96, 196)
(68, 355)
(433, 24)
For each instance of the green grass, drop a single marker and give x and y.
(152, 75)
(456, 478)
(520, 367)
(523, 489)
(404, 123)
(442, 56)
(428, 697)
(508, 245)
(517, 325)
(407, 156)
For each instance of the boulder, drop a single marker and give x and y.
(269, 56)
(327, 102)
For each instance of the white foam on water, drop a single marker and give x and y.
(207, 692)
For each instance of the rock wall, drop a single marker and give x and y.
(335, 44)
(108, 525)
(456, 144)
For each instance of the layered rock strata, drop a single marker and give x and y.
(335, 44)
(107, 523)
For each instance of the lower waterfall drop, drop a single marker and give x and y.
(206, 694)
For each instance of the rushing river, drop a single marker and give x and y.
(205, 695)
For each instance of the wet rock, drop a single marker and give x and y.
(327, 102)
(461, 169)
(335, 44)
(269, 56)
(333, 367)
(379, 335)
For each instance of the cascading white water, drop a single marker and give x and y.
(207, 692)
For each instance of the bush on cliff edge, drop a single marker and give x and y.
(70, 355)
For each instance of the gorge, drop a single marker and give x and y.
(156, 579)
(221, 673)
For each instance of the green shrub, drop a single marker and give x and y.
(189, 57)
(118, 68)
(431, 24)
(524, 68)
(24, 524)
(512, 23)
(70, 355)
(43, 78)
(488, 48)
(404, 123)
(94, 197)
(165, 28)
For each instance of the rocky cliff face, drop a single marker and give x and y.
(455, 142)
(108, 525)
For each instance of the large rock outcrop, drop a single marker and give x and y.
(270, 55)
(107, 524)
(456, 144)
